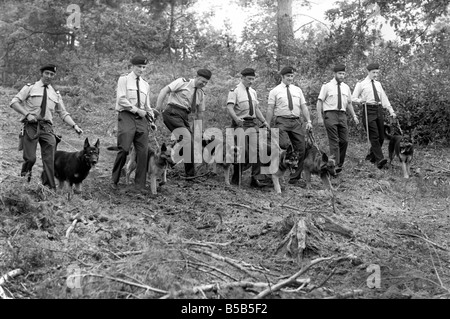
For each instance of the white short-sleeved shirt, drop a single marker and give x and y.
(329, 96)
(182, 94)
(30, 96)
(364, 92)
(239, 98)
(278, 100)
(127, 94)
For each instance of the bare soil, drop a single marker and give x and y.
(202, 239)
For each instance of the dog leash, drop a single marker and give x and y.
(313, 140)
(62, 140)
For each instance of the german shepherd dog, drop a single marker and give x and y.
(230, 155)
(319, 163)
(73, 167)
(401, 147)
(288, 161)
(157, 164)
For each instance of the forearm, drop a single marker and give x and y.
(259, 115)
(319, 109)
(231, 112)
(16, 106)
(161, 97)
(305, 112)
(351, 109)
(269, 114)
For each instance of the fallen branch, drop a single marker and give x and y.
(128, 253)
(291, 279)
(248, 207)
(129, 283)
(230, 261)
(213, 268)
(427, 240)
(216, 286)
(441, 168)
(10, 275)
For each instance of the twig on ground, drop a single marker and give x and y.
(427, 240)
(128, 283)
(216, 286)
(248, 207)
(325, 281)
(76, 219)
(225, 259)
(10, 275)
(291, 279)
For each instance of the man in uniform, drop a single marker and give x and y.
(133, 106)
(371, 95)
(37, 103)
(243, 107)
(286, 102)
(185, 96)
(334, 101)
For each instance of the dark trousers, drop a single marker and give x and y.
(337, 131)
(292, 132)
(175, 117)
(131, 129)
(43, 133)
(376, 131)
(239, 167)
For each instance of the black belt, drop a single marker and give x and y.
(137, 117)
(290, 117)
(335, 111)
(176, 106)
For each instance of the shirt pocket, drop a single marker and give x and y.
(132, 94)
(36, 99)
(52, 100)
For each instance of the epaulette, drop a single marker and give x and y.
(184, 80)
(29, 84)
(232, 90)
(123, 75)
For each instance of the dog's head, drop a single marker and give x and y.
(406, 145)
(91, 153)
(327, 164)
(166, 153)
(289, 158)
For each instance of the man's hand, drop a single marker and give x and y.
(309, 126)
(239, 122)
(31, 118)
(394, 116)
(77, 129)
(156, 113)
(355, 118)
(141, 113)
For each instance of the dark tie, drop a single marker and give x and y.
(44, 102)
(339, 96)
(375, 93)
(138, 93)
(291, 105)
(194, 99)
(250, 102)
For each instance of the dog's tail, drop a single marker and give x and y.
(112, 148)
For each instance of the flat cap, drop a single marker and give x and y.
(339, 68)
(48, 67)
(248, 72)
(204, 73)
(373, 66)
(287, 70)
(139, 60)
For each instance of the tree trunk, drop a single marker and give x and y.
(171, 27)
(285, 28)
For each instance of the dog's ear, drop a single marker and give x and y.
(324, 157)
(163, 147)
(86, 143)
(97, 144)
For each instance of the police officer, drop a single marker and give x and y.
(286, 102)
(133, 106)
(243, 108)
(37, 103)
(370, 94)
(334, 101)
(185, 97)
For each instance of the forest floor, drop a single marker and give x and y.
(377, 235)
